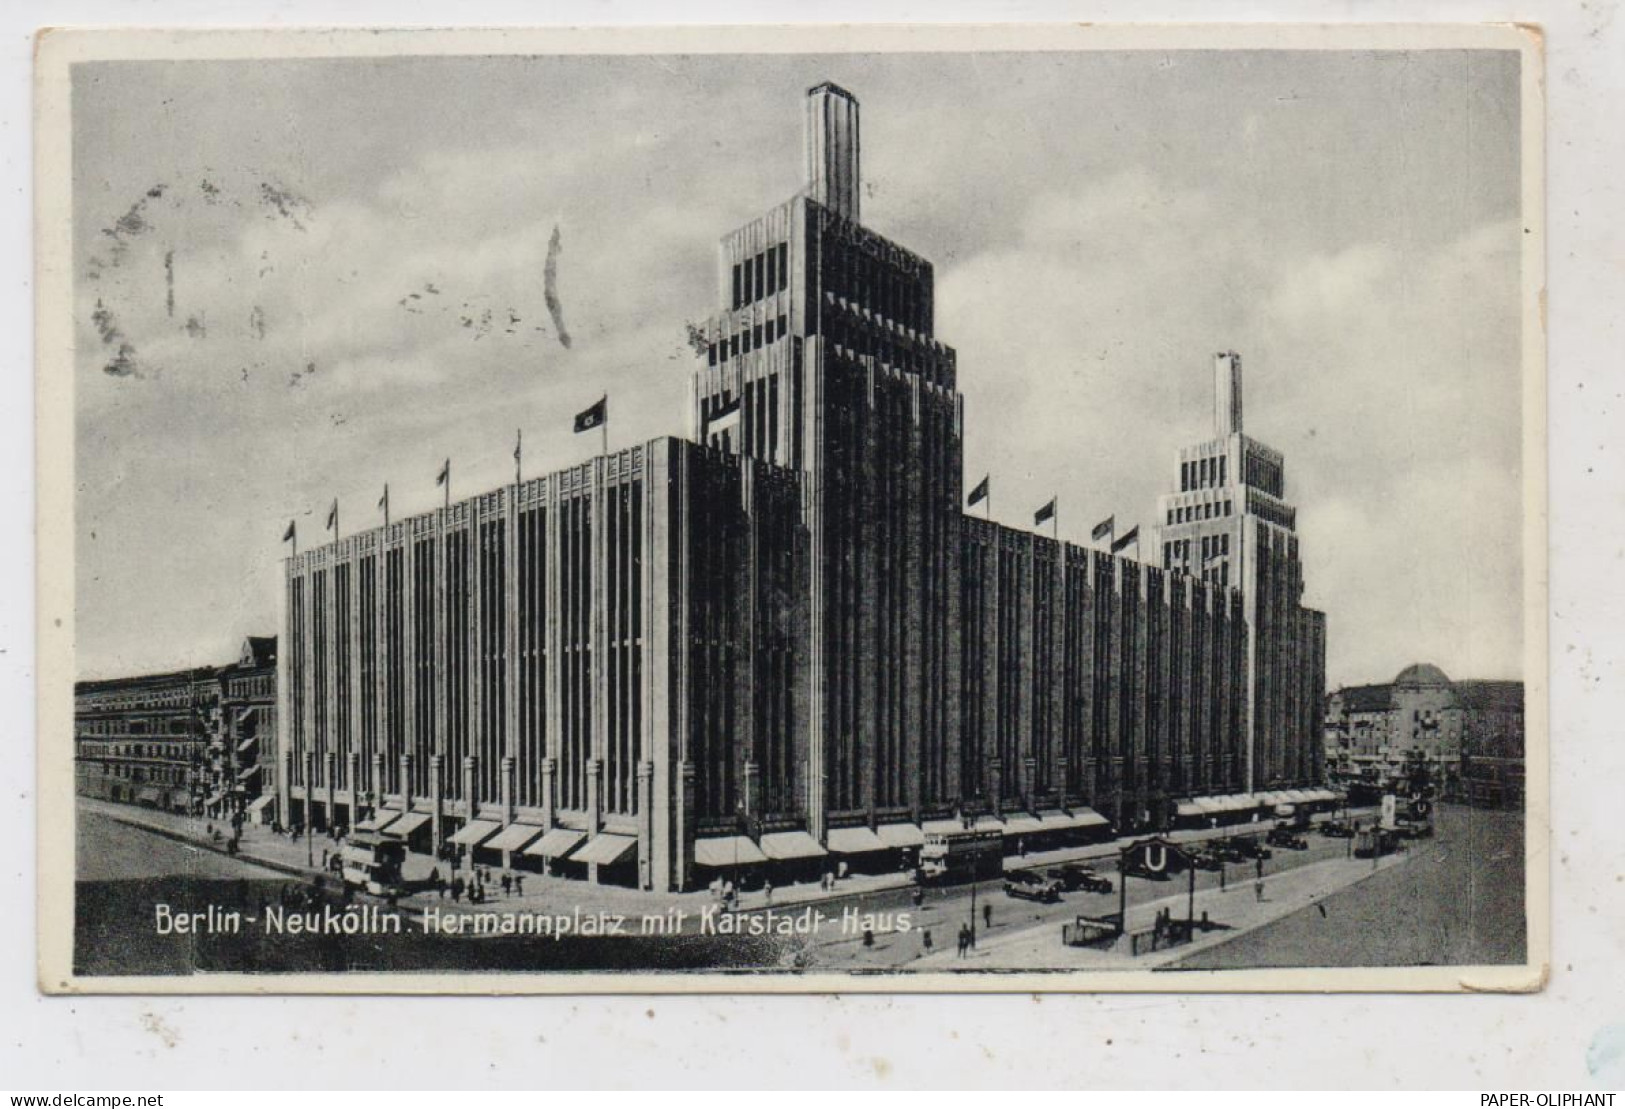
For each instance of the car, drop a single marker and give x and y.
(1414, 829)
(1285, 837)
(1032, 886)
(1207, 860)
(1076, 876)
(1228, 851)
(1252, 849)
(1337, 830)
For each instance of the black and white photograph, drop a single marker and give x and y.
(795, 510)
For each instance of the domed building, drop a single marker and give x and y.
(1470, 733)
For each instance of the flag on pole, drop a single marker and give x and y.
(287, 536)
(383, 501)
(1130, 538)
(723, 419)
(1045, 513)
(518, 451)
(333, 515)
(979, 494)
(445, 474)
(1104, 528)
(596, 416)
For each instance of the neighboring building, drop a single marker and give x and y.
(1230, 523)
(1469, 734)
(779, 643)
(242, 747)
(184, 741)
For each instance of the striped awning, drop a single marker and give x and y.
(406, 823)
(514, 837)
(855, 841)
(259, 803)
(475, 832)
(556, 844)
(722, 851)
(900, 835)
(791, 845)
(606, 848)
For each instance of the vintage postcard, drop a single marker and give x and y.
(954, 508)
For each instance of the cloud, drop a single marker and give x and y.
(1388, 375)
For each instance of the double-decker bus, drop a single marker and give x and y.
(372, 861)
(960, 856)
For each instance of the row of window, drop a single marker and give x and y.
(761, 276)
(1191, 513)
(1202, 473)
(748, 339)
(141, 750)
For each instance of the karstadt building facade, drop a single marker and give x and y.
(779, 641)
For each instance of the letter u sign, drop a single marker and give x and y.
(1156, 858)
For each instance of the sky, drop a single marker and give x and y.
(302, 279)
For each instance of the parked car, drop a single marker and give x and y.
(1207, 860)
(1337, 830)
(1032, 886)
(1286, 837)
(1228, 851)
(1076, 876)
(1252, 849)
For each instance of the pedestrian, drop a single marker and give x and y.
(507, 883)
(917, 896)
(767, 892)
(1258, 889)
(987, 915)
(457, 888)
(519, 885)
(925, 940)
(964, 938)
(324, 858)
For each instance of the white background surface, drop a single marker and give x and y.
(1572, 1036)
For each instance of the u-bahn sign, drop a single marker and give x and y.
(1154, 858)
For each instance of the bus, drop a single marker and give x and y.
(373, 862)
(960, 856)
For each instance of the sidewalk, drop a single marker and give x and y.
(548, 892)
(1286, 892)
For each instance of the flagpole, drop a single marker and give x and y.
(603, 425)
(518, 453)
(448, 485)
(1055, 518)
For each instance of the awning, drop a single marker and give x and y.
(514, 837)
(988, 824)
(1082, 817)
(261, 801)
(1189, 808)
(248, 771)
(1296, 796)
(943, 826)
(1022, 825)
(791, 845)
(372, 823)
(247, 742)
(606, 848)
(475, 832)
(215, 798)
(406, 823)
(854, 841)
(147, 795)
(721, 851)
(900, 835)
(557, 843)
(1275, 797)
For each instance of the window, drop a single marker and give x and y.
(784, 271)
(739, 290)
